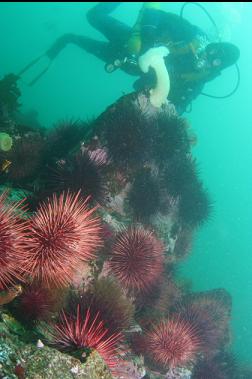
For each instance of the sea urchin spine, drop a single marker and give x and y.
(172, 343)
(83, 334)
(137, 259)
(12, 233)
(62, 232)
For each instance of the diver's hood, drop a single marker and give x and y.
(226, 52)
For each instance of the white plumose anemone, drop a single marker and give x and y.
(154, 58)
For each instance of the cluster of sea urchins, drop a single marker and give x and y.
(48, 246)
(156, 152)
(45, 249)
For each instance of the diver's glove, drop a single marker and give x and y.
(128, 63)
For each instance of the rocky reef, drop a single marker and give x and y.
(95, 218)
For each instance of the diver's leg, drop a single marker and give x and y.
(115, 31)
(100, 49)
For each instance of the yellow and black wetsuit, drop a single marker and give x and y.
(186, 62)
(153, 27)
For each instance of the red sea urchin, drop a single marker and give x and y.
(62, 232)
(210, 314)
(12, 232)
(137, 259)
(171, 343)
(82, 334)
(106, 298)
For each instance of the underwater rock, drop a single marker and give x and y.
(128, 128)
(27, 159)
(51, 364)
(131, 369)
(9, 93)
(149, 180)
(46, 363)
(10, 352)
(175, 373)
(179, 373)
(64, 137)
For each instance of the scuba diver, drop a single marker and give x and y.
(192, 61)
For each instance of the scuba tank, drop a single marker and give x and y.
(134, 44)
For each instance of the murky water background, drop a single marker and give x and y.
(77, 86)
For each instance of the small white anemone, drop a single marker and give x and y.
(154, 58)
(40, 344)
(5, 142)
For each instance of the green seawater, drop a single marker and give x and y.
(77, 86)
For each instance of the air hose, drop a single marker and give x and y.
(217, 32)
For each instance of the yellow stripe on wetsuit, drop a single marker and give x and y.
(134, 43)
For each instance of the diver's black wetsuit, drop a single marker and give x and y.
(156, 27)
(116, 32)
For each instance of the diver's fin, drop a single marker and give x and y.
(32, 82)
(29, 65)
(40, 70)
